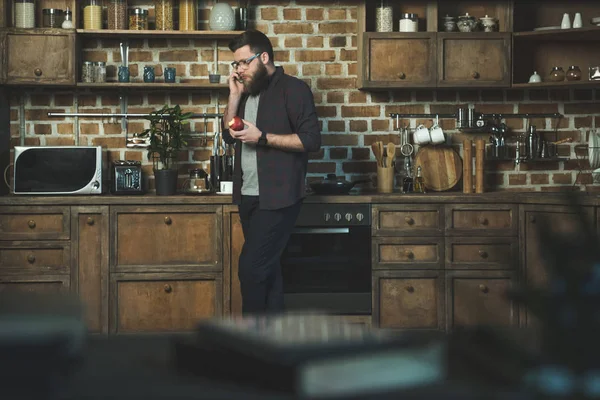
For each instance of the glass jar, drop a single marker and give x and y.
(24, 13)
(52, 18)
(117, 14)
(163, 10)
(92, 14)
(100, 72)
(409, 23)
(87, 72)
(556, 75)
(384, 21)
(573, 73)
(68, 21)
(138, 19)
(187, 15)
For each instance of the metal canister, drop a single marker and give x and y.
(533, 145)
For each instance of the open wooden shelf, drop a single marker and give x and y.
(590, 33)
(155, 85)
(158, 34)
(563, 84)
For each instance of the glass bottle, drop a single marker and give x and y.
(88, 72)
(419, 184)
(117, 14)
(573, 73)
(68, 21)
(100, 69)
(52, 18)
(92, 14)
(138, 19)
(24, 13)
(384, 21)
(187, 15)
(163, 10)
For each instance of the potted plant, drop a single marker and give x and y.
(165, 140)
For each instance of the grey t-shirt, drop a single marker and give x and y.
(249, 164)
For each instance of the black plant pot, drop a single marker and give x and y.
(165, 181)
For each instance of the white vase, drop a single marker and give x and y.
(222, 17)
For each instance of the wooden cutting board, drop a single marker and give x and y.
(441, 167)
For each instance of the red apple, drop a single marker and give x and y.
(236, 124)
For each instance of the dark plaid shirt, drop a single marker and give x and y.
(286, 106)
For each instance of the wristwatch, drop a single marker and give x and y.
(262, 140)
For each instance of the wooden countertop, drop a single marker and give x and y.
(584, 198)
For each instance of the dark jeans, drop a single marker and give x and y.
(266, 233)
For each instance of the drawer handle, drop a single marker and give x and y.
(168, 288)
(483, 254)
(168, 220)
(532, 219)
(409, 220)
(483, 220)
(90, 221)
(410, 289)
(31, 224)
(475, 75)
(37, 72)
(409, 254)
(483, 288)
(402, 75)
(31, 259)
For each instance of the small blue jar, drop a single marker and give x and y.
(169, 75)
(123, 73)
(149, 75)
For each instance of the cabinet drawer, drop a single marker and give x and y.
(482, 253)
(408, 299)
(37, 284)
(413, 220)
(407, 253)
(481, 220)
(34, 223)
(480, 298)
(167, 238)
(35, 258)
(160, 303)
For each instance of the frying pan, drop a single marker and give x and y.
(333, 184)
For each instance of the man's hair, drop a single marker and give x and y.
(258, 42)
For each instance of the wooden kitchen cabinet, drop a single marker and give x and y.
(36, 284)
(233, 241)
(39, 57)
(481, 220)
(408, 220)
(399, 60)
(480, 59)
(408, 299)
(407, 253)
(90, 278)
(166, 238)
(482, 253)
(160, 302)
(480, 298)
(34, 223)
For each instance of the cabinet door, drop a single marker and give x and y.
(40, 57)
(399, 60)
(475, 59)
(163, 302)
(36, 284)
(480, 298)
(233, 240)
(90, 263)
(408, 299)
(3, 51)
(407, 253)
(166, 238)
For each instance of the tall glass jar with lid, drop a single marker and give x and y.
(92, 14)
(24, 13)
(117, 14)
(187, 15)
(163, 10)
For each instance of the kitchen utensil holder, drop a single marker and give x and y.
(385, 179)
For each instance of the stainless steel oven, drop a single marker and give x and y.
(327, 262)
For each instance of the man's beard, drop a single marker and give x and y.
(258, 81)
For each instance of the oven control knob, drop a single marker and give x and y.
(348, 217)
(337, 216)
(360, 216)
(326, 216)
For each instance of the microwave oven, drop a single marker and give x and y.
(57, 170)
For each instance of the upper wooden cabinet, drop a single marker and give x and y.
(477, 59)
(39, 57)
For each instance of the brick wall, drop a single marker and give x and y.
(318, 44)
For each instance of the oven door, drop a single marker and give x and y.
(328, 269)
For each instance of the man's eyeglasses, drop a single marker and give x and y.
(244, 63)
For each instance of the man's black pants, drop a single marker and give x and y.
(266, 233)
